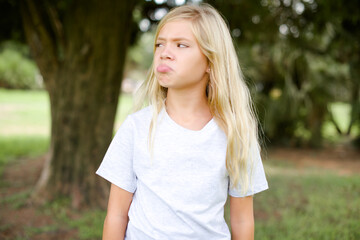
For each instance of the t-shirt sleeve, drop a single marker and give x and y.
(117, 165)
(256, 176)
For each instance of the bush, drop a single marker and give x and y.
(17, 69)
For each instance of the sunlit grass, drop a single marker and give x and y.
(24, 113)
(27, 113)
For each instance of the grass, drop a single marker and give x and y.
(16, 200)
(27, 113)
(88, 223)
(15, 147)
(24, 113)
(315, 205)
(309, 207)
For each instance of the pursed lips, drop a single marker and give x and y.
(163, 68)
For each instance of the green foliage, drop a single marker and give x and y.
(302, 57)
(141, 54)
(17, 70)
(342, 116)
(294, 93)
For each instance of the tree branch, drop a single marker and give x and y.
(332, 119)
(56, 24)
(40, 41)
(37, 23)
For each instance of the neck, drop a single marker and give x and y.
(186, 103)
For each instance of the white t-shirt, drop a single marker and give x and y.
(180, 193)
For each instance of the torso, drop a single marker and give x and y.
(182, 190)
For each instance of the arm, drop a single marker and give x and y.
(117, 213)
(242, 218)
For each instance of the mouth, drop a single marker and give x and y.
(163, 68)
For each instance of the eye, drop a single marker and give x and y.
(158, 45)
(180, 45)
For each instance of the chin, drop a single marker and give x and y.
(164, 83)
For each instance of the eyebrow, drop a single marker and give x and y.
(174, 39)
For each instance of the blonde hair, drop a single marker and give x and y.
(228, 96)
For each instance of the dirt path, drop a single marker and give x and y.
(340, 160)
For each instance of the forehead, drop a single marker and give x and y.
(177, 29)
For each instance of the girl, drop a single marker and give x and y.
(173, 164)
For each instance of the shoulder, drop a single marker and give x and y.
(141, 115)
(140, 119)
(135, 122)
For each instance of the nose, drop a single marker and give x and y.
(166, 53)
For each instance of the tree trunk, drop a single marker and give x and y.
(355, 97)
(315, 122)
(80, 52)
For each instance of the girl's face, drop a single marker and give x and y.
(178, 61)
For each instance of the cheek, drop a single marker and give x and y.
(199, 64)
(155, 58)
(194, 69)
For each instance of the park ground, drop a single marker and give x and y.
(20, 219)
(314, 193)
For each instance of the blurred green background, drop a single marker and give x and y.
(301, 62)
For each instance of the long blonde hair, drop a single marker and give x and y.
(228, 96)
